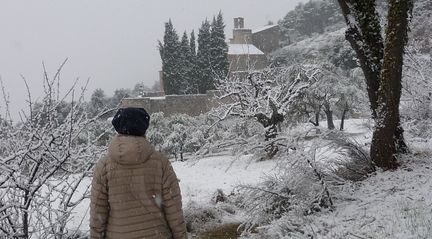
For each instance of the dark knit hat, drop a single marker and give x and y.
(131, 121)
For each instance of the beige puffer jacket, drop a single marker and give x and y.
(135, 193)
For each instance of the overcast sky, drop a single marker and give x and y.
(112, 42)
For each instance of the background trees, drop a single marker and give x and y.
(309, 18)
(188, 68)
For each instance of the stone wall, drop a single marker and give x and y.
(247, 62)
(267, 40)
(241, 36)
(192, 105)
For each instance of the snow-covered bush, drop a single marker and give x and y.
(417, 87)
(201, 135)
(349, 159)
(238, 136)
(44, 159)
(416, 102)
(297, 189)
(177, 134)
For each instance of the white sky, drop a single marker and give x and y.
(112, 42)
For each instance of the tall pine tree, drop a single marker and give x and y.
(193, 74)
(170, 54)
(204, 70)
(186, 66)
(219, 48)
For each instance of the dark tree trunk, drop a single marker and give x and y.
(329, 116)
(384, 146)
(181, 153)
(367, 42)
(344, 112)
(25, 215)
(364, 35)
(270, 124)
(401, 146)
(317, 115)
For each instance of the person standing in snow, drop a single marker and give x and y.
(135, 192)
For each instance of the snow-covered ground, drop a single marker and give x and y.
(200, 180)
(391, 204)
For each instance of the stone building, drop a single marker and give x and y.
(266, 38)
(248, 49)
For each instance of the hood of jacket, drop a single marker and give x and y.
(130, 150)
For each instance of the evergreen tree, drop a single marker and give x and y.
(119, 95)
(193, 43)
(194, 71)
(170, 55)
(204, 71)
(186, 66)
(219, 48)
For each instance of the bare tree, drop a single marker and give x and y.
(381, 61)
(266, 96)
(43, 163)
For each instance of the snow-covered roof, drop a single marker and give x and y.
(263, 28)
(243, 49)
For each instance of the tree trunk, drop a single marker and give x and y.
(401, 146)
(329, 116)
(317, 115)
(384, 144)
(345, 111)
(25, 215)
(364, 35)
(270, 125)
(367, 42)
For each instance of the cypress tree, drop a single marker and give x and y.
(193, 43)
(219, 48)
(186, 66)
(170, 55)
(193, 74)
(204, 71)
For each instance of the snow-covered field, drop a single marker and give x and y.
(391, 204)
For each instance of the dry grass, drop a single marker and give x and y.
(228, 231)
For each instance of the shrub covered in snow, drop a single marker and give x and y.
(44, 159)
(296, 189)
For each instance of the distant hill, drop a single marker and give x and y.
(315, 32)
